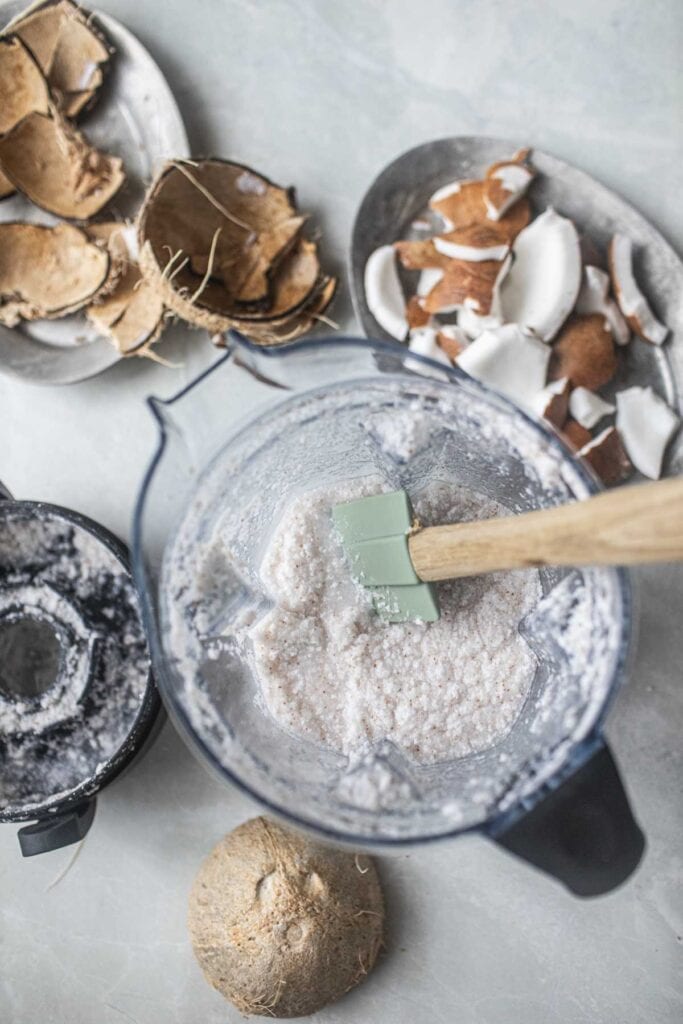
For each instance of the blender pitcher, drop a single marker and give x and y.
(548, 790)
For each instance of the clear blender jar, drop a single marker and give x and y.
(549, 790)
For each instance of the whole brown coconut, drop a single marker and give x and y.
(281, 925)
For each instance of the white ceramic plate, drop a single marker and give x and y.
(136, 118)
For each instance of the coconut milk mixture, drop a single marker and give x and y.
(331, 671)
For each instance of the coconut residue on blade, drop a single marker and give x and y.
(331, 671)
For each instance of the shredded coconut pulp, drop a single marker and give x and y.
(332, 671)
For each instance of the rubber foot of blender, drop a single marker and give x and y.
(58, 830)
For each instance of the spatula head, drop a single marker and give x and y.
(374, 532)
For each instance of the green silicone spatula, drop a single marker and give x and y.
(399, 560)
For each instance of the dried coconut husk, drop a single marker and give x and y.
(72, 53)
(57, 169)
(584, 352)
(281, 925)
(47, 272)
(248, 276)
(23, 89)
(465, 282)
(227, 212)
(302, 322)
(127, 311)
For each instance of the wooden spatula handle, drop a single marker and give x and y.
(621, 527)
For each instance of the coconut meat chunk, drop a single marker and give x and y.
(646, 424)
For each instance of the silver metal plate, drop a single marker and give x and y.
(136, 118)
(399, 196)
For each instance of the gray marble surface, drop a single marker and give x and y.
(324, 94)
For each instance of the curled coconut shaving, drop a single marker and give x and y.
(632, 302)
(222, 246)
(48, 272)
(71, 52)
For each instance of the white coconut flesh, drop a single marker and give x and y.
(458, 251)
(646, 425)
(587, 408)
(514, 180)
(632, 302)
(474, 324)
(383, 292)
(428, 279)
(510, 361)
(542, 286)
(47, 271)
(594, 298)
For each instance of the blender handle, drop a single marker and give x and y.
(583, 833)
(58, 830)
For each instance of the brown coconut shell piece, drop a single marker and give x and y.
(232, 215)
(607, 455)
(301, 323)
(47, 272)
(584, 352)
(556, 409)
(6, 187)
(465, 281)
(23, 89)
(248, 276)
(421, 255)
(57, 169)
(72, 53)
(282, 925)
(468, 206)
(416, 314)
(576, 434)
(127, 311)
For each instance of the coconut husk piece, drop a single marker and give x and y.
(470, 282)
(282, 925)
(584, 351)
(228, 213)
(57, 169)
(301, 323)
(23, 90)
(47, 272)
(72, 53)
(127, 311)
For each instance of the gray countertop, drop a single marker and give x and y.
(323, 95)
